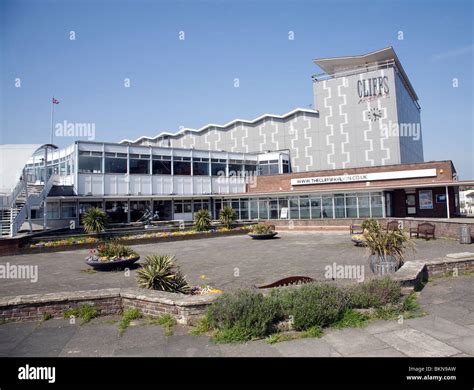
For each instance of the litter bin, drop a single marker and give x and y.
(465, 234)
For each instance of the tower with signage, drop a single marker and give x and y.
(368, 112)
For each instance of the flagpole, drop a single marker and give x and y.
(52, 116)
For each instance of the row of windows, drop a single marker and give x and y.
(349, 205)
(90, 164)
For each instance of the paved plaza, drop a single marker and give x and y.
(447, 330)
(227, 262)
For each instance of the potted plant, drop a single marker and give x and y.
(261, 231)
(111, 255)
(368, 224)
(227, 216)
(386, 248)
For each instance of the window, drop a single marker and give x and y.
(117, 211)
(250, 169)
(112, 164)
(138, 209)
(273, 205)
(83, 207)
(52, 210)
(267, 168)
(294, 208)
(161, 167)
(89, 163)
(286, 166)
(218, 167)
(327, 207)
(351, 206)
(253, 209)
(139, 166)
(315, 207)
(182, 206)
(182, 165)
(201, 167)
(282, 205)
(364, 205)
(68, 210)
(244, 209)
(235, 169)
(376, 205)
(162, 209)
(304, 208)
(339, 206)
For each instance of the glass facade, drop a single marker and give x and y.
(312, 206)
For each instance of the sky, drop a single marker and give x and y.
(128, 72)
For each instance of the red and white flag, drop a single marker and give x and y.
(55, 101)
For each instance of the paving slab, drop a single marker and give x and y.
(258, 348)
(47, 340)
(12, 334)
(412, 342)
(308, 347)
(352, 340)
(465, 344)
(142, 340)
(386, 352)
(439, 327)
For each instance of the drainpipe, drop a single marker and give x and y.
(447, 203)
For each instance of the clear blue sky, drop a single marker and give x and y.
(190, 83)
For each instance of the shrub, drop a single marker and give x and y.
(84, 312)
(159, 272)
(388, 243)
(374, 293)
(166, 321)
(112, 250)
(316, 304)
(248, 311)
(94, 220)
(127, 316)
(352, 319)
(370, 224)
(202, 219)
(261, 228)
(227, 216)
(235, 334)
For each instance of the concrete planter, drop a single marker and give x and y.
(383, 265)
(112, 265)
(266, 236)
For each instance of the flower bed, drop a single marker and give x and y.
(130, 239)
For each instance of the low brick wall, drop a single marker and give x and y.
(446, 228)
(186, 309)
(413, 273)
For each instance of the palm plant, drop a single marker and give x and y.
(387, 244)
(94, 220)
(202, 219)
(159, 272)
(370, 224)
(227, 216)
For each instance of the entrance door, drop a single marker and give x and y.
(410, 201)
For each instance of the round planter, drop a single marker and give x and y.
(265, 236)
(383, 265)
(112, 265)
(358, 242)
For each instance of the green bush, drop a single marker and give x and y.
(94, 220)
(84, 312)
(202, 219)
(235, 334)
(374, 293)
(128, 316)
(159, 272)
(370, 224)
(113, 250)
(227, 216)
(248, 311)
(316, 304)
(261, 228)
(352, 319)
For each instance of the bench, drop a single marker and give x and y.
(423, 229)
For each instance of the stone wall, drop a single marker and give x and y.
(184, 308)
